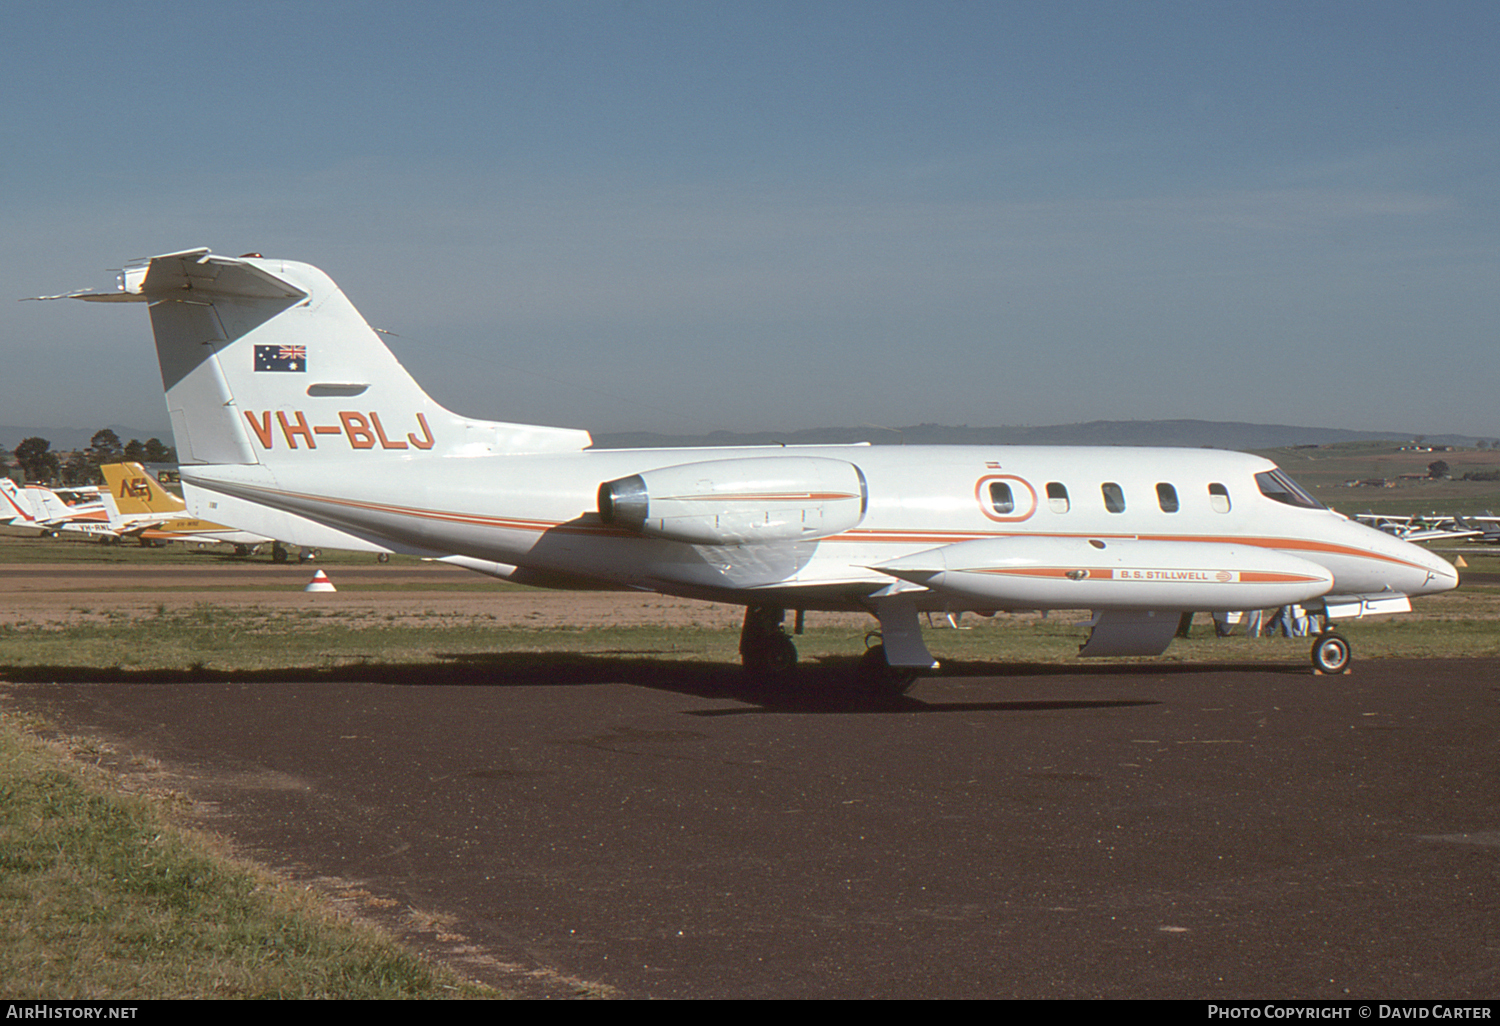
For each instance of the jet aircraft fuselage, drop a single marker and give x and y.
(541, 512)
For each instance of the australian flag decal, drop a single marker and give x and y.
(281, 358)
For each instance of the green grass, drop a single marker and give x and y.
(103, 895)
(213, 643)
(26, 545)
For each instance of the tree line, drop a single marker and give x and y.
(38, 463)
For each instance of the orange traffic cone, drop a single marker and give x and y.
(320, 582)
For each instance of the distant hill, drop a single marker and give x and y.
(1189, 433)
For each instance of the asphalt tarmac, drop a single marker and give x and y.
(1170, 831)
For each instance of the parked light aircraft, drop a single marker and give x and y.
(294, 420)
(1484, 529)
(15, 506)
(132, 505)
(37, 506)
(92, 511)
(1487, 526)
(149, 512)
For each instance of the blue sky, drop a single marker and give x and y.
(681, 217)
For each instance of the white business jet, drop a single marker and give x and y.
(294, 421)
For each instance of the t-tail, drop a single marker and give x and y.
(266, 362)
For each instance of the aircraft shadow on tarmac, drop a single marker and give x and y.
(821, 686)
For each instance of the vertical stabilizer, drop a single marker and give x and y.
(266, 361)
(15, 505)
(135, 491)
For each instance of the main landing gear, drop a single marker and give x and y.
(892, 666)
(876, 673)
(765, 648)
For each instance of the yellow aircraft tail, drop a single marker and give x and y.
(136, 491)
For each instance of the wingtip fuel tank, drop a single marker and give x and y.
(1114, 573)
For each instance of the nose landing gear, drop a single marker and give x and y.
(1331, 653)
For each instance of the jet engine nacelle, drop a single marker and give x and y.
(740, 501)
(1115, 573)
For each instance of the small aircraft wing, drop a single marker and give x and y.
(1435, 534)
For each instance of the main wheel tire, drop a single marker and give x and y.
(1331, 653)
(774, 656)
(876, 673)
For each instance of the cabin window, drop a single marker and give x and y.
(1005, 498)
(1114, 497)
(1002, 501)
(1276, 485)
(1057, 497)
(1218, 498)
(1166, 497)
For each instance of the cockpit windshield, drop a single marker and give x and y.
(1276, 485)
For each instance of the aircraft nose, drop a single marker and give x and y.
(1441, 575)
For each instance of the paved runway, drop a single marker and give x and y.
(1172, 831)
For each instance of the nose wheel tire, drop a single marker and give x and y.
(1331, 653)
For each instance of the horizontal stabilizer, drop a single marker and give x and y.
(195, 271)
(198, 270)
